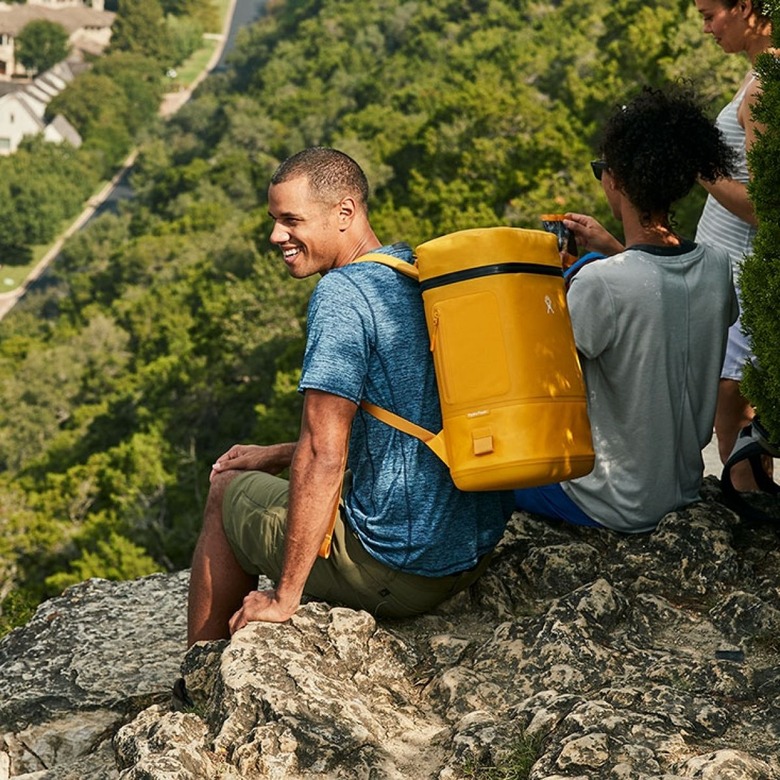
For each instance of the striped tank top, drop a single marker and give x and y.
(717, 225)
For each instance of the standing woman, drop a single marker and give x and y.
(728, 219)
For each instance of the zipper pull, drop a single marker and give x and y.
(434, 327)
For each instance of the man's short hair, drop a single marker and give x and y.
(332, 175)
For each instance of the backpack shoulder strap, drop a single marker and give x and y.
(407, 269)
(435, 441)
(570, 272)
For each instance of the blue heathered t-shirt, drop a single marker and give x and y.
(367, 339)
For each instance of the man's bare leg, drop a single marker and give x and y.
(218, 584)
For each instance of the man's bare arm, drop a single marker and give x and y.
(316, 475)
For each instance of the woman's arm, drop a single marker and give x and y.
(731, 194)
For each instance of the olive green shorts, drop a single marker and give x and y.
(254, 515)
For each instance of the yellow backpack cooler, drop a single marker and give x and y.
(513, 403)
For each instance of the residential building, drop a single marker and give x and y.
(22, 111)
(88, 28)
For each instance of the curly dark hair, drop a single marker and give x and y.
(657, 145)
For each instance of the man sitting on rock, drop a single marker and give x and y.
(650, 322)
(405, 538)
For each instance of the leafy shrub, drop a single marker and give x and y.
(761, 272)
(114, 558)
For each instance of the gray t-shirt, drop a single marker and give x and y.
(650, 325)
(367, 339)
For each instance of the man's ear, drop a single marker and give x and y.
(347, 212)
(746, 7)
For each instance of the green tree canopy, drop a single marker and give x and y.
(41, 45)
(44, 183)
(110, 103)
(173, 326)
(139, 27)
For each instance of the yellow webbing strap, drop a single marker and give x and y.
(324, 551)
(433, 440)
(407, 269)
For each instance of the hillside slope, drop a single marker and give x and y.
(170, 332)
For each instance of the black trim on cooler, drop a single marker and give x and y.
(490, 270)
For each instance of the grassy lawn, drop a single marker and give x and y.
(188, 71)
(222, 5)
(11, 276)
(193, 65)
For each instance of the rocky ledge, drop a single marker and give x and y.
(580, 654)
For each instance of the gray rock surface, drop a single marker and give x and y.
(85, 664)
(580, 654)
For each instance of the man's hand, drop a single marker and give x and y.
(262, 605)
(253, 457)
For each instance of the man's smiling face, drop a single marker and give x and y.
(305, 229)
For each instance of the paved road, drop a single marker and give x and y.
(244, 13)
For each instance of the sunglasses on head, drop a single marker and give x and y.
(598, 167)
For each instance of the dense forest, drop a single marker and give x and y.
(168, 332)
(111, 105)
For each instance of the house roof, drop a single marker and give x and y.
(50, 83)
(66, 70)
(14, 18)
(35, 96)
(44, 91)
(6, 87)
(66, 130)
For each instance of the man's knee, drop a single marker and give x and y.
(216, 497)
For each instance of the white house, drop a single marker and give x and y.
(22, 111)
(88, 27)
(18, 118)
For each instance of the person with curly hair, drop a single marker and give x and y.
(728, 219)
(650, 321)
